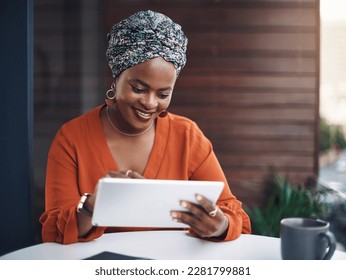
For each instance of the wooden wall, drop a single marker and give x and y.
(251, 83)
(251, 80)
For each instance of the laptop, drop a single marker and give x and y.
(124, 202)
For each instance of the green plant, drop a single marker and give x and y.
(285, 200)
(331, 135)
(339, 137)
(325, 135)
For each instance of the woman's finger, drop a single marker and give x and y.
(124, 174)
(205, 218)
(191, 220)
(116, 174)
(134, 174)
(207, 205)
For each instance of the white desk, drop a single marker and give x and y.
(164, 245)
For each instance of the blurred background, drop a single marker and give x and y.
(264, 80)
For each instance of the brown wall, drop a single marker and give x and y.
(251, 80)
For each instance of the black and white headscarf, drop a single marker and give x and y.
(143, 36)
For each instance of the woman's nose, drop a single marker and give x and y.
(149, 101)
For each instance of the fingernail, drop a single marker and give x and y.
(183, 203)
(175, 220)
(174, 215)
(199, 197)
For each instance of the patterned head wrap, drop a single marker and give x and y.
(143, 36)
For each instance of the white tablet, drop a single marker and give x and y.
(145, 202)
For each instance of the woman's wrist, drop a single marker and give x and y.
(89, 203)
(222, 232)
(86, 204)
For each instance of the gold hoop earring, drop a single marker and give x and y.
(112, 89)
(110, 99)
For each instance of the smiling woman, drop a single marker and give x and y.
(143, 92)
(133, 136)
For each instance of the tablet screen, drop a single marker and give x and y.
(146, 202)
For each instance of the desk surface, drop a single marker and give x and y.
(164, 245)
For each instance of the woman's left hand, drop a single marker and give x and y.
(205, 218)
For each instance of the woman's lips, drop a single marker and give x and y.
(143, 115)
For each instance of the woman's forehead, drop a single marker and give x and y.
(152, 73)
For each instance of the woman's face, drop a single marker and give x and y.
(142, 93)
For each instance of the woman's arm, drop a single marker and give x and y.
(60, 222)
(203, 165)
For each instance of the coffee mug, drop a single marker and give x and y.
(306, 239)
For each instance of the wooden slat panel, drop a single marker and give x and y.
(263, 115)
(253, 41)
(174, 8)
(267, 146)
(249, 64)
(265, 160)
(220, 19)
(262, 131)
(207, 19)
(246, 81)
(244, 183)
(235, 99)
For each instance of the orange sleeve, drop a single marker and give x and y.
(59, 221)
(206, 167)
(239, 221)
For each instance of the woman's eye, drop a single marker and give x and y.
(163, 96)
(137, 90)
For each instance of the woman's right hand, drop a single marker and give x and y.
(124, 174)
(84, 222)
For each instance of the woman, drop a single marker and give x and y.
(133, 136)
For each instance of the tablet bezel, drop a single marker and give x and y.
(124, 202)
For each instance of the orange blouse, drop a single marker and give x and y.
(79, 157)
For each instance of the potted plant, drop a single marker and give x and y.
(286, 200)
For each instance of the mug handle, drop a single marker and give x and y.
(331, 244)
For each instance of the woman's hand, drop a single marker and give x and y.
(124, 174)
(84, 222)
(90, 202)
(205, 218)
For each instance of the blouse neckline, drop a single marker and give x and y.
(160, 142)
